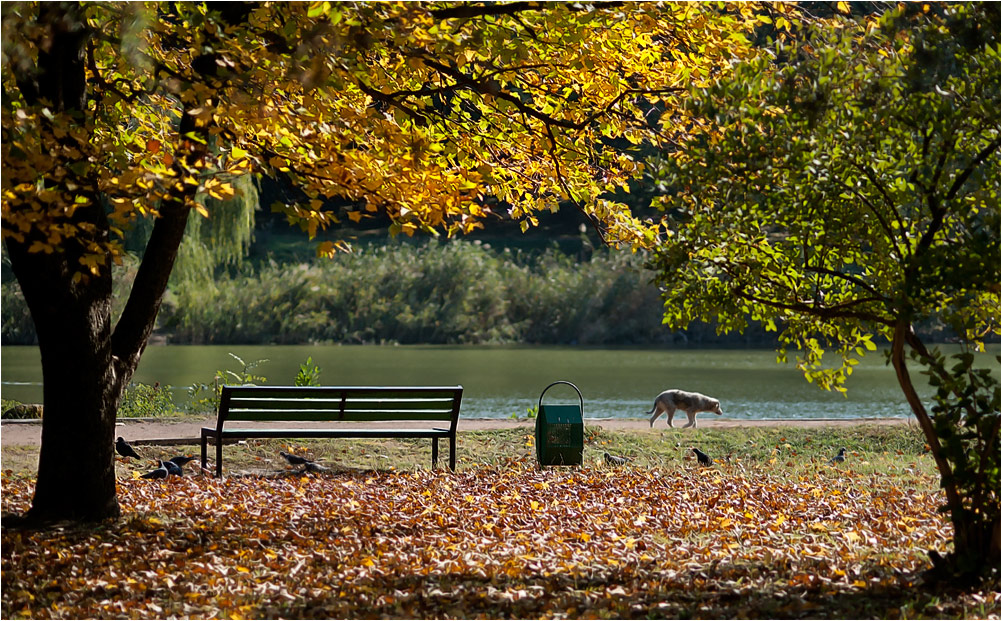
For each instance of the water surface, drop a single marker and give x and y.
(501, 381)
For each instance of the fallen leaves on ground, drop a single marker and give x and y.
(507, 541)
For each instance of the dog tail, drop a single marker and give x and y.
(653, 408)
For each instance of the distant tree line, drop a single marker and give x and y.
(459, 292)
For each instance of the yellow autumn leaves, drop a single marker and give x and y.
(437, 118)
(503, 541)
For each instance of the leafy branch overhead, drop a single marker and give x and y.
(438, 114)
(849, 180)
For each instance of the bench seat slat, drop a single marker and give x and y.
(330, 433)
(335, 404)
(334, 392)
(334, 415)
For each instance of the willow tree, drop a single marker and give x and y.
(437, 114)
(846, 189)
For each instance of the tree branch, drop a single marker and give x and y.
(859, 282)
(978, 160)
(136, 323)
(390, 99)
(485, 87)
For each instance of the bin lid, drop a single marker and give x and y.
(559, 414)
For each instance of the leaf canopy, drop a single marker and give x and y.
(438, 113)
(846, 180)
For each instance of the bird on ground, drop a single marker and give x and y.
(314, 467)
(839, 457)
(180, 461)
(295, 460)
(172, 468)
(701, 457)
(159, 473)
(614, 460)
(125, 449)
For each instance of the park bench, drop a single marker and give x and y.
(325, 410)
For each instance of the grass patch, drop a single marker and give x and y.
(870, 449)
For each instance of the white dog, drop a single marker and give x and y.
(688, 402)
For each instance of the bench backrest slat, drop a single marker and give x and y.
(340, 403)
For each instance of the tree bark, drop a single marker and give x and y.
(976, 542)
(901, 334)
(76, 463)
(85, 366)
(72, 316)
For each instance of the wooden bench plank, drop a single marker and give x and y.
(335, 415)
(441, 404)
(332, 433)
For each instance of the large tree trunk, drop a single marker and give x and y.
(72, 315)
(85, 365)
(76, 476)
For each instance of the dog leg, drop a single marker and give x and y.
(692, 419)
(657, 412)
(671, 415)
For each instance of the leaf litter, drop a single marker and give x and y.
(502, 541)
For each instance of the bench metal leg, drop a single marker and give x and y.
(434, 453)
(452, 452)
(205, 460)
(219, 457)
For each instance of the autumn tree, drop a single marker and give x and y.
(438, 114)
(848, 187)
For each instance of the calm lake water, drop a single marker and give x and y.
(501, 381)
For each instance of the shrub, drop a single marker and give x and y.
(309, 373)
(444, 293)
(143, 400)
(204, 397)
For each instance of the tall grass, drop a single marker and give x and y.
(457, 292)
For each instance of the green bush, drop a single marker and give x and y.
(15, 410)
(446, 293)
(204, 397)
(143, 400)
(309, 373)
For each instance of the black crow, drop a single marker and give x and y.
(180, 461)
(159, 473)
(839, 457)
(314, 467)
(125, 449)
(172, 468)
(295, 460)
(614, 460)
(703, 458)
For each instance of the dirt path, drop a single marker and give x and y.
(29, 434)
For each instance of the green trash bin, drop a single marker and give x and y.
(560, 431)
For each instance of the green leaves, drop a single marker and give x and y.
(833, 194)
(862, 157)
